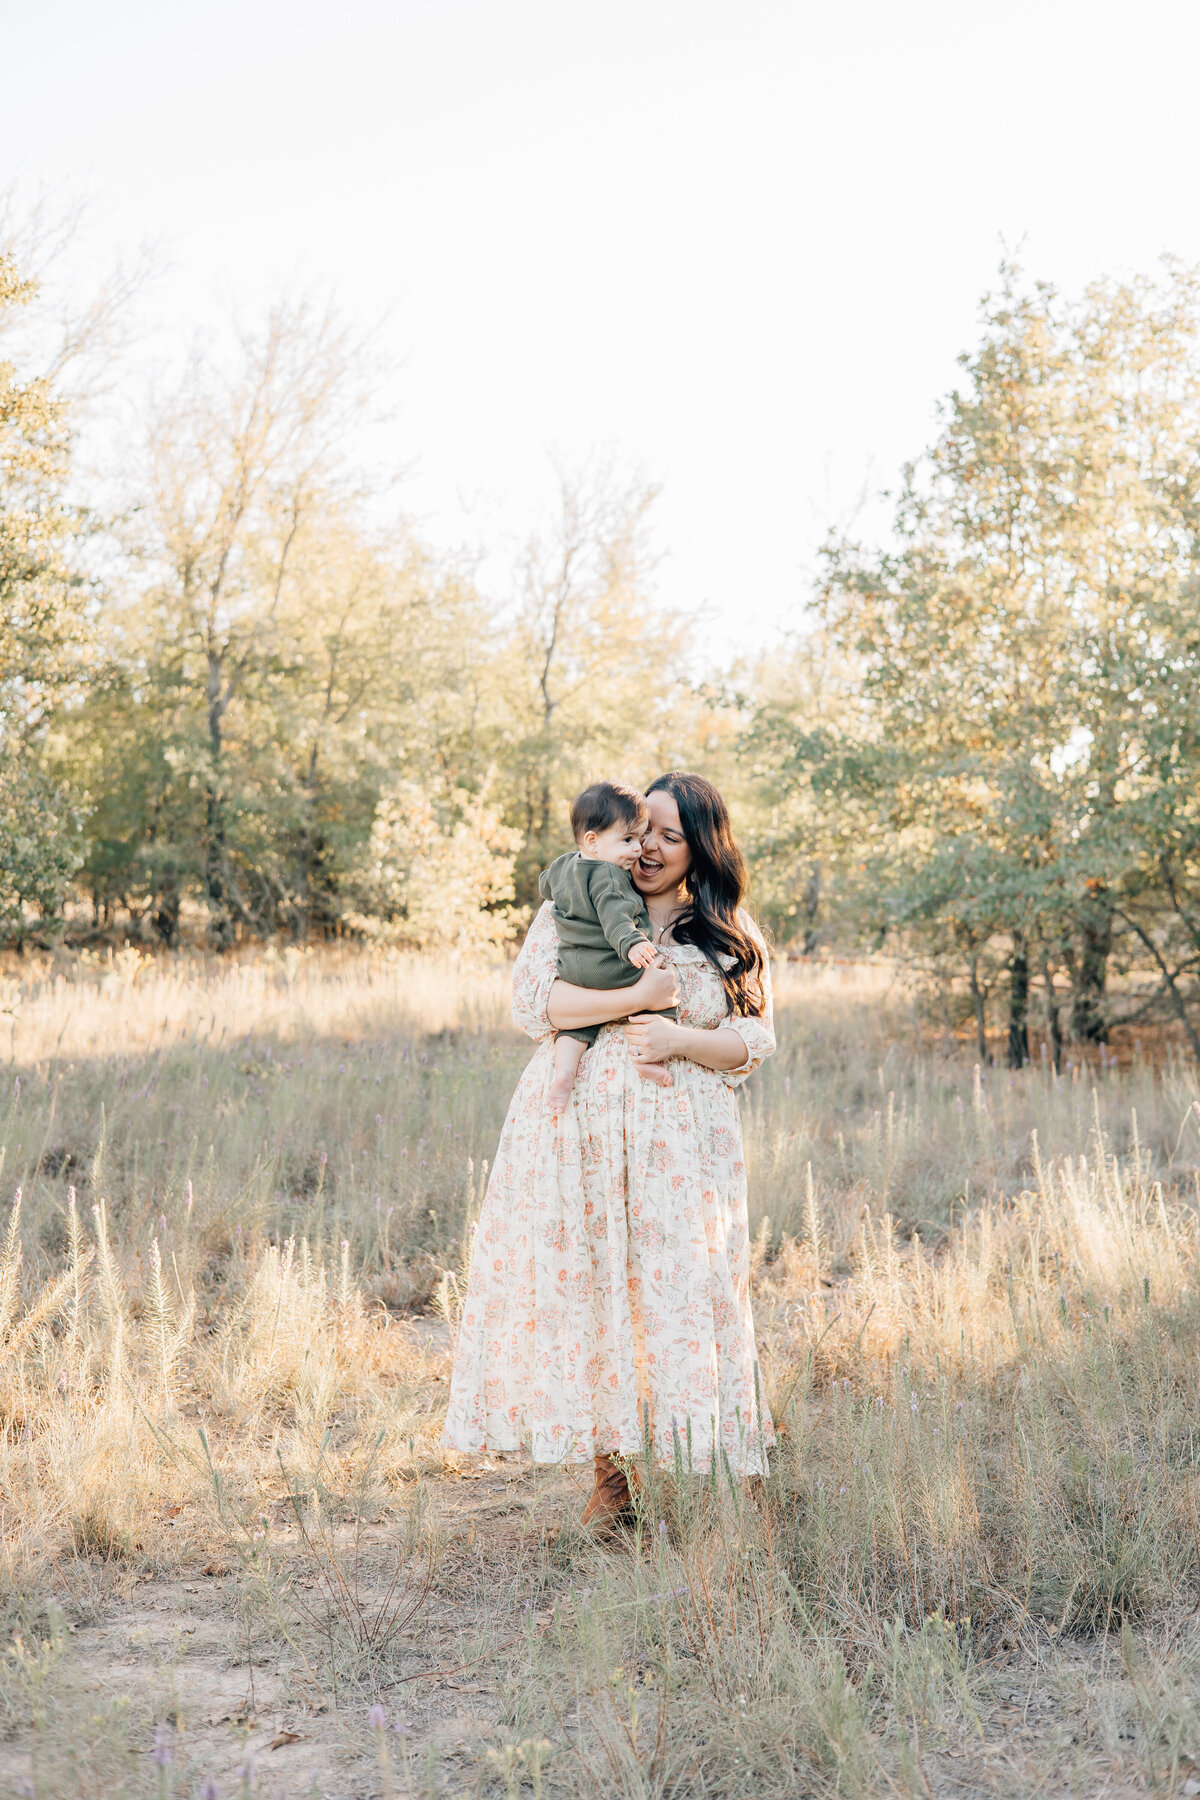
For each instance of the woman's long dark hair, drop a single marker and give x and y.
(716, 885)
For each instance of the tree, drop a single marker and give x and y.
(1018, 645)
(593, 676)
(247, 461)
(277, 655)
(43, 628)
(379, 658)
(364, 674)
(243, 460)
(438, 876)
(799, 688)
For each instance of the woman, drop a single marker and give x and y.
(611, 1268)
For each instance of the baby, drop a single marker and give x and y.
(604, 932)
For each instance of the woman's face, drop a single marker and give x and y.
(665, 858)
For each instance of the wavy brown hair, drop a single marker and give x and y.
(716, 887)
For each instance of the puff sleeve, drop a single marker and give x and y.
(534, 974)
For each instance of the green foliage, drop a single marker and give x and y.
(42, 632)
(40, 606)
(349, 676)
(303, 723)
(1020, 776)
(431, 882)
(39, 846)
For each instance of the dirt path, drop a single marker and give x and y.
(152, 1649)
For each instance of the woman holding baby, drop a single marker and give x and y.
(609, 1283)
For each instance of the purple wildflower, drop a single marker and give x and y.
(377, 1717)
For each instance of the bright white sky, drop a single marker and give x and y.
(739, 244)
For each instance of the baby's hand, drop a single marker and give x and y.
(643, 954)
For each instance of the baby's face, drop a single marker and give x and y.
(619, 843)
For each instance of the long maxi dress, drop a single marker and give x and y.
(611, 1263)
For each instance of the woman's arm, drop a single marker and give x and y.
(734, 1049)
(534, 974)
(570, 1006)
(655, 1039)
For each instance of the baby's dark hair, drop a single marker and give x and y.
(607, 803)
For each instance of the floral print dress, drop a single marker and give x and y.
(611, 1265)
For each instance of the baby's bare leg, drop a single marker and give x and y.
(568, 1054)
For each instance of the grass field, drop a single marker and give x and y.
(236, 1560)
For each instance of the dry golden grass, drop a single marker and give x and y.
(224, 1343)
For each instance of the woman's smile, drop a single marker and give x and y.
(663, 865)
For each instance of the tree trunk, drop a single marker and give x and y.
(979, 1001)
(216, 889)
(166, 913)
(216, 892)
(1053, 1014)
(811, 907)
(544, 822)
(306, 855)
(1090, 970)
(1018, 1004)
(1179, 1006)
(1170, 981)
(317, 910)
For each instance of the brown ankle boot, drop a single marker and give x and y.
(611, 1499)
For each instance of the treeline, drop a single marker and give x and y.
(239, 705)
(247, 696)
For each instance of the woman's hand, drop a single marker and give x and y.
(568, 1007)
(655, 987)
(651, 1038)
